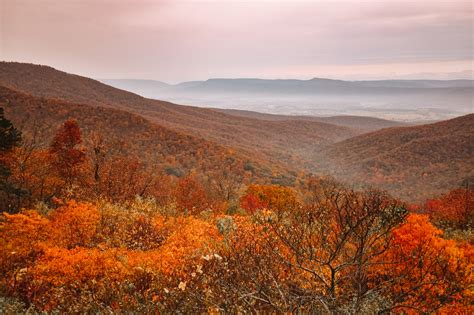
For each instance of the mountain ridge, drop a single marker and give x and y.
(407, 83)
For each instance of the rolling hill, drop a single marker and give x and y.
(413, 162)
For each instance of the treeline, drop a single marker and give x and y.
(87, 231)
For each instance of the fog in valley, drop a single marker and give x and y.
(402, 100)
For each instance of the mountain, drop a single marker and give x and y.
(413, 162)
(283, 86)
(467, 74)
(291, 142)
(414, 84)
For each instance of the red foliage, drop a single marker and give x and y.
(252, 203)
(68, 158)
(454, 208)
(191, 196)
(272, 197)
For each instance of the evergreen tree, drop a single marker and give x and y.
(10, 137)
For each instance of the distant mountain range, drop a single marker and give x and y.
(254, 85)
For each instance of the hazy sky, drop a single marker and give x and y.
(179, 40)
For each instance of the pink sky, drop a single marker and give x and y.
(179, 40)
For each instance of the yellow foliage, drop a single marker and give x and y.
(190, 239)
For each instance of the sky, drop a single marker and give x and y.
(179, 40)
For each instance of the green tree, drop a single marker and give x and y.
(10, 137)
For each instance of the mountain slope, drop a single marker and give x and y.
(289, 141)
(130, 135)
(412, 162)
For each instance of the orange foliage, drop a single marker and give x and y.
(20, 236)
(74, 224)
(46, 259)
(191, 238)
(59, 272)
(112, 254)
(423, 261)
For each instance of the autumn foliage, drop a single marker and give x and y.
(276, 198)
(421, 255)
(99, 232)
(143, 257)
(455, 208)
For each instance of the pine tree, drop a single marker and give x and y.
(10, 137)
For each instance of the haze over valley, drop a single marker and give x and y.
(403, 100)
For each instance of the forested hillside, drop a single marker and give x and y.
(129, 141)
(414, 163)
